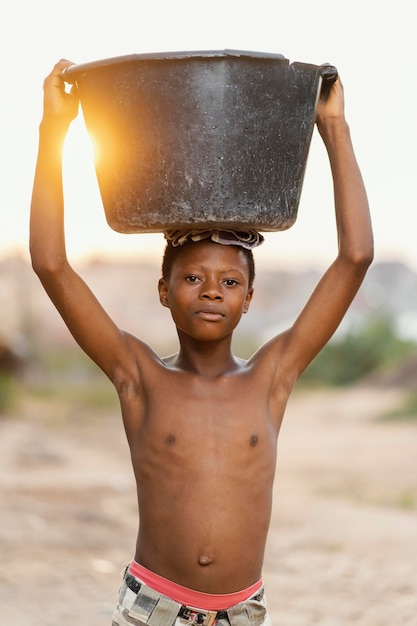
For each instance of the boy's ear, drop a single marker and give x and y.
(163, 292)
(248, 300)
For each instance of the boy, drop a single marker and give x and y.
(202, 425)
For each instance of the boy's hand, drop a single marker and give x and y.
(58, 105)
(331, 104)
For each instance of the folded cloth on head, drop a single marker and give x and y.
(245, 238)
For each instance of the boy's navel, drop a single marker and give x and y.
(204, 560)
(171, 440)
(254, 440)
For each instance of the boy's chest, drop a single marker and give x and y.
(236, 394)
(230, 411)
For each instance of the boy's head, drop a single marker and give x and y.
(245, 240)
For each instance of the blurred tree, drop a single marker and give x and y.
(10, 364)
(348, 358)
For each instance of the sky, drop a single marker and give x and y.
(372, 44)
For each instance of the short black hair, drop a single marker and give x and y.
(171, 253)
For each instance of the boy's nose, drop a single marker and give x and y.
(211, 291)
(211, 296)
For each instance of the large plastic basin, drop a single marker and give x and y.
(200, 139)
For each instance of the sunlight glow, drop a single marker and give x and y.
(80, 145)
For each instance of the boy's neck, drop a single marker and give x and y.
(209, 360)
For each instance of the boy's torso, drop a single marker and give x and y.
(203, 453)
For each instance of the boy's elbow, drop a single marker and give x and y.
(38, 260)
(44, 264)
(364, 257)
(370, 257)
(361, 258)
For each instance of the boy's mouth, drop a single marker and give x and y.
(210, 314)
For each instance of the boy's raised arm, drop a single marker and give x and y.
(334, 293)
(86, 319)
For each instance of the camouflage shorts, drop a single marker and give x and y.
(139, 604)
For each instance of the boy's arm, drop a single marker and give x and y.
(86, 319)
(334, 293)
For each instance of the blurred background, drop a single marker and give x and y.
(343, 536)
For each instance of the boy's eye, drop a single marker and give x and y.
(230, 282)
(191, 279)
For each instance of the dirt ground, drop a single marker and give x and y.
(342, 548)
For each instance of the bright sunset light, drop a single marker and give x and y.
(80, 145)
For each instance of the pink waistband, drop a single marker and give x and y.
(190, 597)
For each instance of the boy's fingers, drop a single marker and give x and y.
(64, 63)
(60, 68)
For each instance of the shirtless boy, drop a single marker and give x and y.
(202, 425)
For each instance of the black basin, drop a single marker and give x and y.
(200, 139)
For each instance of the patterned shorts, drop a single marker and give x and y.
(139, 604)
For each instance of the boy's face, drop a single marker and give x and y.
(207, 290)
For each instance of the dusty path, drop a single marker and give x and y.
(342, 549)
